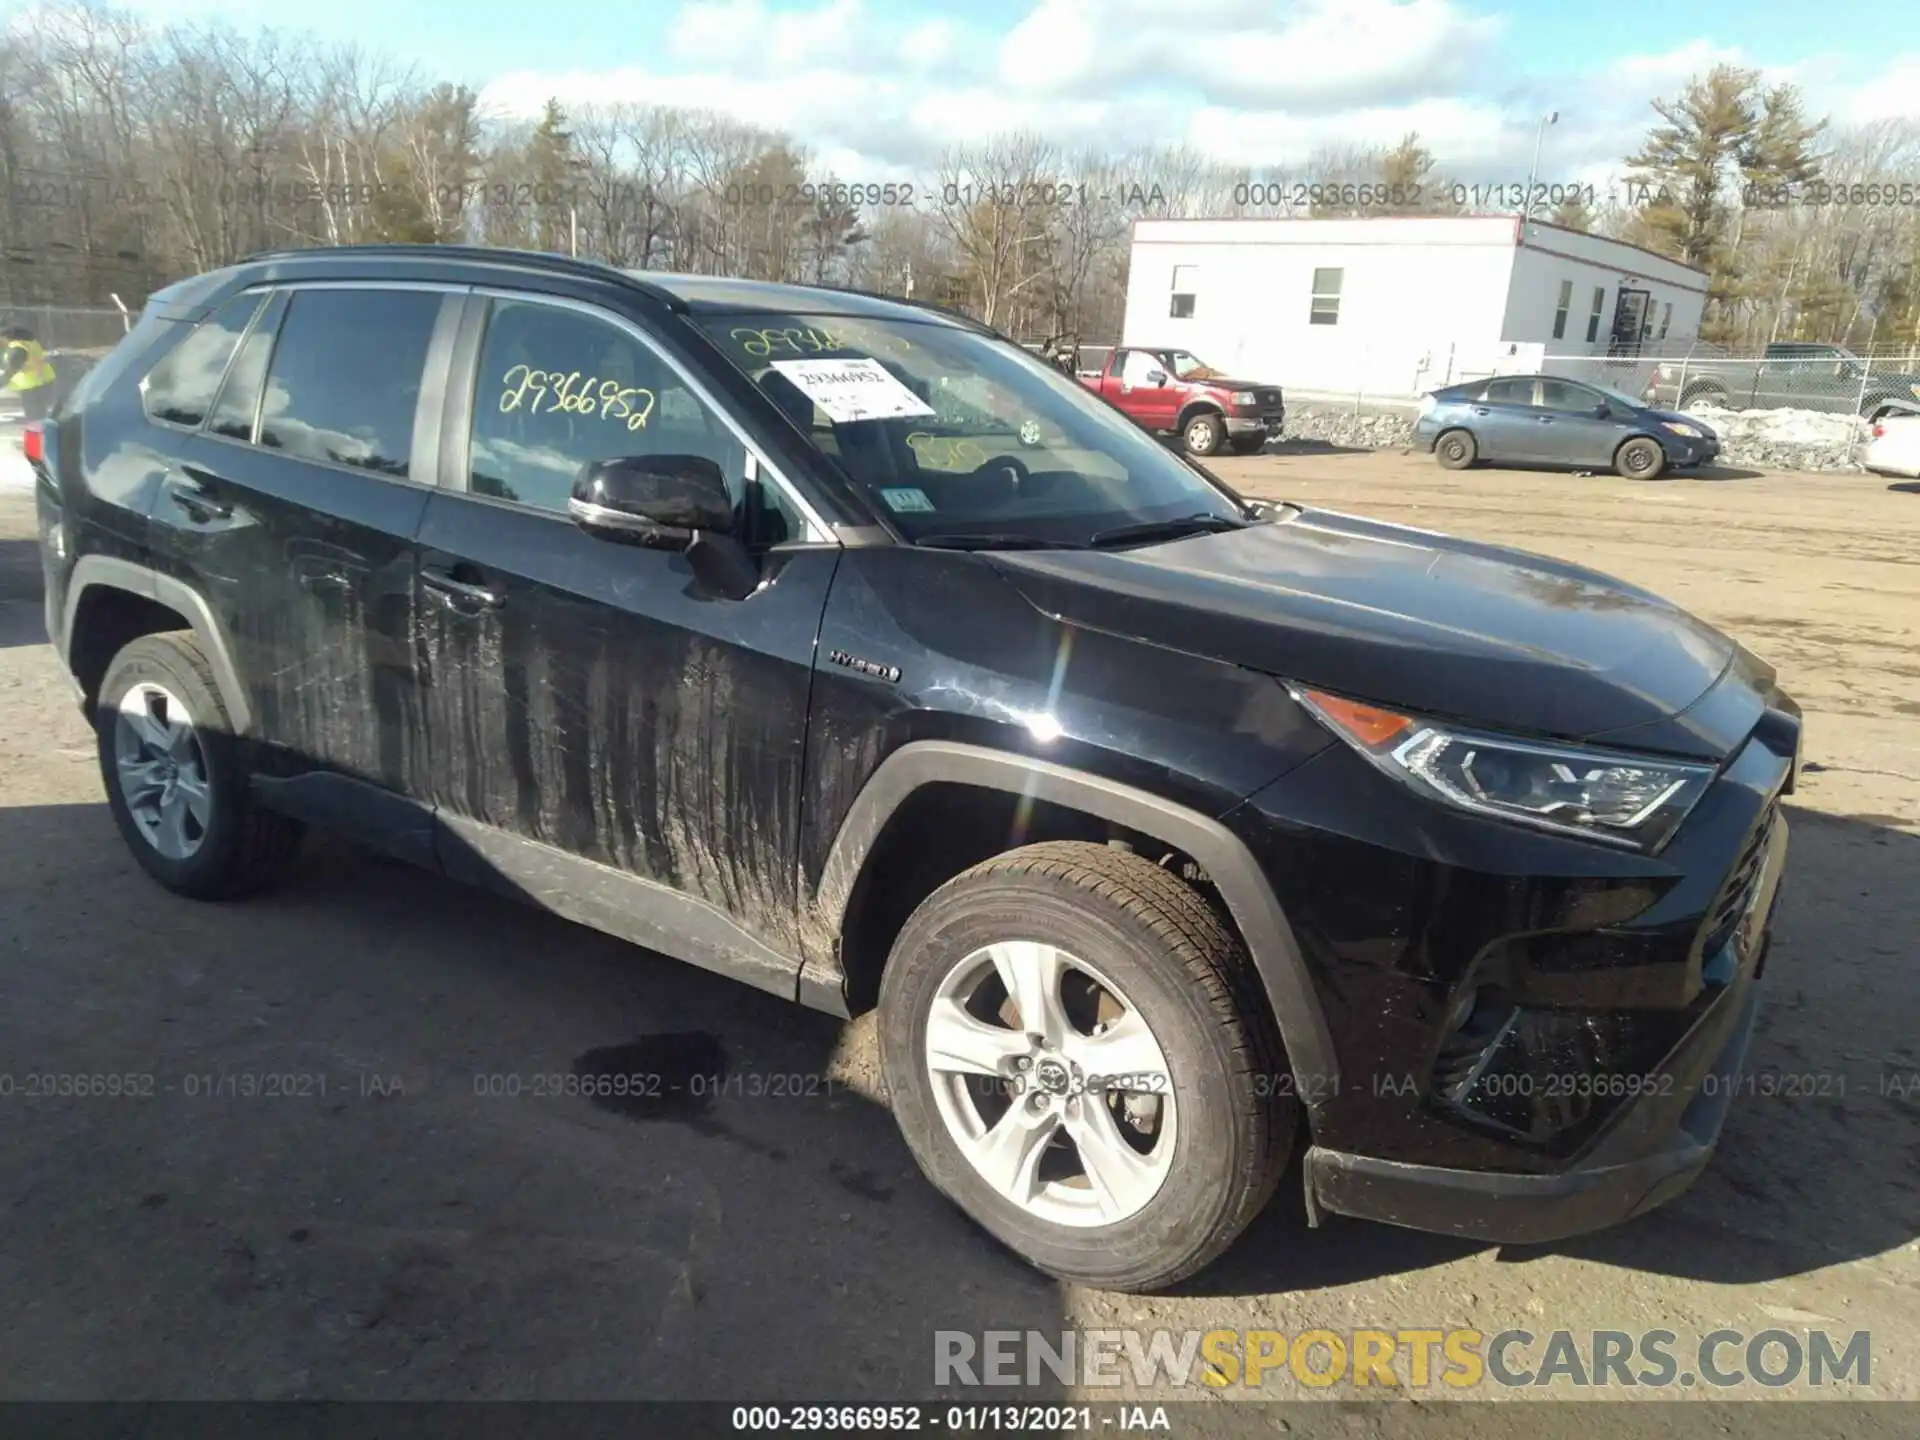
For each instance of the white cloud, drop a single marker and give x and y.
(878, 92)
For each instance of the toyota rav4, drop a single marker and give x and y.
(835, 644)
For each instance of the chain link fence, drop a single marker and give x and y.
(88, 331)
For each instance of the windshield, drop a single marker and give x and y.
(961, 435)
(1189, 367)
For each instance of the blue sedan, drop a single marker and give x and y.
(1548, 420)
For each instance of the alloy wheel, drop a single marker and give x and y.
(162, 770)
(1051, 1083)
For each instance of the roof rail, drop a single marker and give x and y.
(486, 254)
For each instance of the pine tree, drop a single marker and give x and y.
(550, 171)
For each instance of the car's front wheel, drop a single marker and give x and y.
(174, 778)
(1204, 434)
(1078, 1057)
(1640, 459)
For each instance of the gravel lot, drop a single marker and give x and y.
(402, 1237)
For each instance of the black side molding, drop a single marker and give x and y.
(1270, 940)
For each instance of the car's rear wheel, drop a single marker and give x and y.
(173, 775)
(1640, 459)
(1455, 450)
(1704, 397)
(1204, 434)
(1078, 1057)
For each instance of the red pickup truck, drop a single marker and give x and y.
(1172, 391)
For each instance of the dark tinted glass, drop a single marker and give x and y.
(239, 402)
(1511, 392)
(1559, 395)
(345, 376)
(558, 388)
(181, 387)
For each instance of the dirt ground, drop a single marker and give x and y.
(404, 1236)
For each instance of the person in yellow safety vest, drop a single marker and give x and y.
(26, 370)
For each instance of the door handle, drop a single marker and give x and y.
(436, 577)
(1481, 410)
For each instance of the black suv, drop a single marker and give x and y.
(838, 645)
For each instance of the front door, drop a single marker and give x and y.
(1569, 425)
(295, 507)
(606, 736)
(1147, 388)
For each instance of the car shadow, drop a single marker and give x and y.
(1712, 473)
(1906, 487)
(1833, 1091)
(1302, 445)
(390, 1137)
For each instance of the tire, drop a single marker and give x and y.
(1182, 976)
(1704, 397)
(225, 846)
(1204, 434)
(1248, 444)
(1456, 450)
(1640, 459)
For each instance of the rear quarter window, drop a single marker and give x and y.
(180, 389)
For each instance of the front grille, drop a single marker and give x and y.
(1742, 881)
(1267, 399)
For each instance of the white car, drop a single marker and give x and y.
(1894, 448)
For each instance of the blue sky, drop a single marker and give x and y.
(878, 87)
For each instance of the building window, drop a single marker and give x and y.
(1599, 308)
(1560, 309)
(1184, 277)
(1666, 318)
(1326, 297)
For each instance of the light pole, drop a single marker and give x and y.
(1550, 118)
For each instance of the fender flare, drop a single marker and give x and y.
(1197, 407)
(106, 572)
(1269, 938)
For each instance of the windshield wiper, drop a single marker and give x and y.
(1164, 529)
(995, 542)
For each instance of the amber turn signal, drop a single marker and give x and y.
(1368, 724)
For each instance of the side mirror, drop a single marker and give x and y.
(668, 502)
(660, 501)
(1156, 377)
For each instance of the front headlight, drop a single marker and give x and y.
(1681, 429)
(1633, 801)
(1245, 397)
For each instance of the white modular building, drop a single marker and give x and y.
(1390, 307)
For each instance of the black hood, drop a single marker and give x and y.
(1406, 618)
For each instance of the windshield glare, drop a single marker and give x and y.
(951, 432)
(1188, 367)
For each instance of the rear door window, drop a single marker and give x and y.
(1511, 392)
(180, 389)
(344, 381)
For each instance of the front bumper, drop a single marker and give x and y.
(1651, 1152)
(1683, 453)
(1268, 423)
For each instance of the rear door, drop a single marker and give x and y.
(604, 734)
(296, 506)
(1503, 420)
